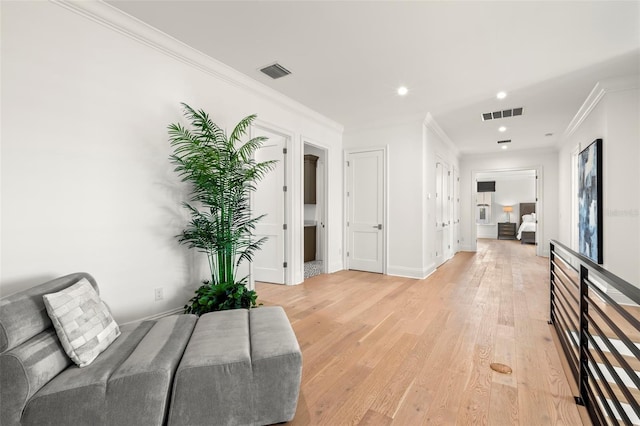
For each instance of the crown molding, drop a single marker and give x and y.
(135, 29)
(595, 96)
(432, 124)
(597, 93)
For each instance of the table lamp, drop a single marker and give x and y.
(508, 210)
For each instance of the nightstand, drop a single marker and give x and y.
(506, 231)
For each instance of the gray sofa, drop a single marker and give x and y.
(230, 367)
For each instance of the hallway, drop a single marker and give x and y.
(389, 350)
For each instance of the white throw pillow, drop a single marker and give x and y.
(82, 321)
(527, 218)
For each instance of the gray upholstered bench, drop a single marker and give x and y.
(240, 367)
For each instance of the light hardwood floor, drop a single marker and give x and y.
(381, 350)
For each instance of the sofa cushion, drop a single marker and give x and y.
(23, 315)
(138, 392)
(83, 322)
(276, 362)
(213, 382)
(77, 396)
(240, 368)
(25, 369)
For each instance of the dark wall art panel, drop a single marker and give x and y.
(590, 201)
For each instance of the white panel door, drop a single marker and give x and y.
(269, 199)
(365, 206)
(456, 211)
(439, 255)
(446, 212)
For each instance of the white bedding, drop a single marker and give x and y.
(526, 227)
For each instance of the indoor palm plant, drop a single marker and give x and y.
(222, 172)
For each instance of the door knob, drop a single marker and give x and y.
(378, 226)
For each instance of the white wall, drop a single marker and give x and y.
(511, 191)
(404, 189)
(413, 149)
(611, 112)
(86, 181)
(437, 148)
(546, 160)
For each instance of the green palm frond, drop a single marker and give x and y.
(222, 172)
(241, 128)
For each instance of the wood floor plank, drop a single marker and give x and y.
(373, 418)
(380, 350)
(475, 398)
(366, 392)
(393, 395)
(504, 405)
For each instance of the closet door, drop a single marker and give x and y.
(365, 211)
(439, 255)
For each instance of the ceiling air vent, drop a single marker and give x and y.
(275, 71)
(506, 113)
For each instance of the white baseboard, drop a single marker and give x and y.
(335, 267)
(430, 270)
(416, 273)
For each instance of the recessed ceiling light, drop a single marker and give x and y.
(501, 95)
(504, 147)
(402, 90)
(502, 129)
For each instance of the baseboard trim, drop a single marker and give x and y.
(335, 267)
(430, 270)
(415, 273)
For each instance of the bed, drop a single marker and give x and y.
(528, 223)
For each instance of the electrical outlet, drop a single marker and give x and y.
(159, 294)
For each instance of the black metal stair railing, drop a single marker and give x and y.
(599, 336)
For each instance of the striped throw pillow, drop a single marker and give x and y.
(82, 321)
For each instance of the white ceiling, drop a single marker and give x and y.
(348, 57)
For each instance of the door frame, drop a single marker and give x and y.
(325, 208)
(288, 238)
(540, 251)
(385, 204)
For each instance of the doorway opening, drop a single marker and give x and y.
(507, 204)
(271, 200)
(314, 244)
